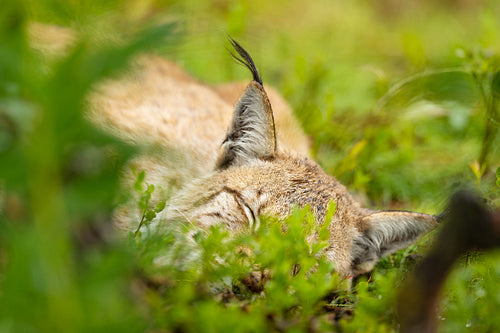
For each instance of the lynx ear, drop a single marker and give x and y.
(384, 232)
(251, 133)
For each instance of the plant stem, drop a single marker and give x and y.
(141, 223)
(490, 121)
(381, 103)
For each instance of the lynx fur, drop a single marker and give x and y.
(229, 161)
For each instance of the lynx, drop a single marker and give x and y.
(259, 166)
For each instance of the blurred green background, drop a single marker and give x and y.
(399, 99)
(335, 61)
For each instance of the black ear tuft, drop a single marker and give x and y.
(245, 59)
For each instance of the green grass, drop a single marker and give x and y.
(63, 269)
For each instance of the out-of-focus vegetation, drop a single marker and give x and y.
(400, 100)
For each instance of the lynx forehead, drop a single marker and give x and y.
(258, 166)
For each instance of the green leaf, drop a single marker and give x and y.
(160, 206)
(140, 180)
(495, 84)
(149, 216)
(498, 176)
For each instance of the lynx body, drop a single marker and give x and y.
(229, 165)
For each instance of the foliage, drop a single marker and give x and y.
(469, 304)
(145, 191)
(59, 180)
(498, 176)
(399, 112)
(270, 280)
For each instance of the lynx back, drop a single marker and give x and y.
(253, 176)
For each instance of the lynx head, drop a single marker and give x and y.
(252, 177)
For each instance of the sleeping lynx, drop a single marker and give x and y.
(259, 167)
